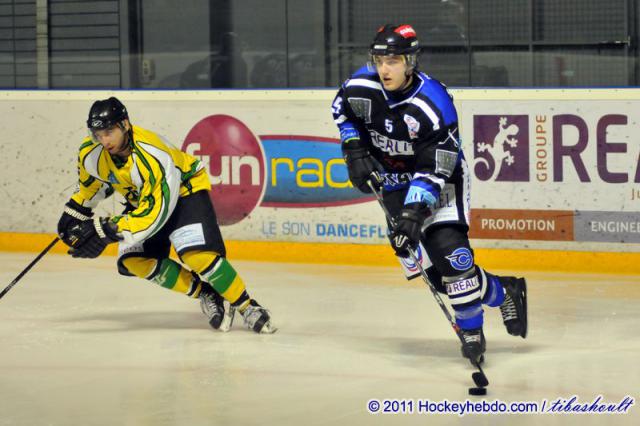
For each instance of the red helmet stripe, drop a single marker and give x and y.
(406, 31)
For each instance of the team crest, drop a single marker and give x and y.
(413, 125)
(112, 178)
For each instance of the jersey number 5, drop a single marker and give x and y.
(388, 125)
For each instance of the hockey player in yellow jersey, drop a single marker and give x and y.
(167, 203)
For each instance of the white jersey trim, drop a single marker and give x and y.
(364, 83)
(433, 178)
(340, 119)
(465, 299)
(427, 110)
(90, 162)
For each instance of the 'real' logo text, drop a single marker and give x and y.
(390, 146)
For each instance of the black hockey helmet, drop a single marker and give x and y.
(395, 40)
(106, 113)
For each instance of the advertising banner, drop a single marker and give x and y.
(549, 169)
(565, 170)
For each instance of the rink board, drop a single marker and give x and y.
(555, 173)
(381, 255)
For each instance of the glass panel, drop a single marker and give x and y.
(18, 45)
(261, 48)
(243, 44)
(501, 67)
(557, 67)
(500, 22)
(580, 21)
(448, 64)
(175, 44)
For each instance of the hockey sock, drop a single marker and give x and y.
(464, 293)
(494, 292)
(218, 272)
(166, 273)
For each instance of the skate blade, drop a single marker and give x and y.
(227, 319)
(268, 328)
(525, 315)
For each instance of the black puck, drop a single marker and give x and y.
(477, 391)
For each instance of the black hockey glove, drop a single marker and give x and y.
(362, 167)
(72, 215)
(408, 229)
(92, 237)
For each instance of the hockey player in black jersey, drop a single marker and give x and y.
(399, 130)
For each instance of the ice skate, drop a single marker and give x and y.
(514, 307)
(219, 312)
(257, 318)
(474, 345)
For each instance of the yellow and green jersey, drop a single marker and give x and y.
(151, 179)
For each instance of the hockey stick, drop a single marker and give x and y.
(15, 281)
(479, 378)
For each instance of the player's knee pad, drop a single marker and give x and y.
(449, 250)
(199, 260)
(138, 266)
(465, 293)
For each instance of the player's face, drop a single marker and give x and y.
(392, 71)
(113, 139)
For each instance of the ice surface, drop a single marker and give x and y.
(82, 345)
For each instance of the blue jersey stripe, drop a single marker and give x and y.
(439, 97)
(422, 192)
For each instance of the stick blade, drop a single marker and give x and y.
(480, 379)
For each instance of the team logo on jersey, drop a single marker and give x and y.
(361, 107)
(113, 178)
(412, 125)
(501, 147)
(461, 259)
(132, 195)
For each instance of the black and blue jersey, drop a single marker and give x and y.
(414, 134)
